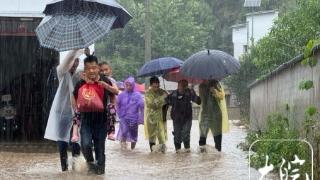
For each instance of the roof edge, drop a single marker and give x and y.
(282, 67)
(262, 12)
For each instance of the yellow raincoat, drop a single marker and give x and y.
(154, 126)
(213, 111)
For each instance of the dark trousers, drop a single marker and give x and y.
(93, 132)
(217, 141)
(181, 133)
(63, 146)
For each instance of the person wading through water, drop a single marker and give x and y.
(92, 96)
(154, 120)
(181, 114)
(130, 108)
(106, 71)
(213, 113)
(60, 117)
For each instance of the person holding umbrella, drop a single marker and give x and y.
(213, 113)
(154, 120)
(60, 118)
(181, 113)
(211, 66)
(155, 106)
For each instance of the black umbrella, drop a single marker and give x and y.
(210, 64)
(103, 6)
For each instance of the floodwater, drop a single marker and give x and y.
(140, 163)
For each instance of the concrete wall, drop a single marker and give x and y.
(239, 39)
(272, 95)
(262, 23)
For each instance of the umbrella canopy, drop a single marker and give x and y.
(159, 66)
(65, 32)
(210, 64)
(175, 76)
(76, 6)
(140, 87)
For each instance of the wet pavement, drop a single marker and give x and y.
(140, 163)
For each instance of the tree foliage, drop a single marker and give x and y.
(287, 39)
(288, 36)
(239, 84)
(179, 28)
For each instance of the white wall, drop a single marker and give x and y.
(262, 24)
(241, 34)
(22, 5)
(239, 39)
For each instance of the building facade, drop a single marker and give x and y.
(27, 72)
(257, 25)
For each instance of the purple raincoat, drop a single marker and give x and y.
(130, 108)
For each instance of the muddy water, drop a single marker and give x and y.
(140, 163)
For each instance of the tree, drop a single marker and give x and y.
(225, 14)
(124, 48)
(147, 36)
(288, 36)
(239, 84)
(175, 28)
(178, 28)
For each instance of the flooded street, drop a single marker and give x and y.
(140, 163)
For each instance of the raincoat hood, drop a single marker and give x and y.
(130, 80)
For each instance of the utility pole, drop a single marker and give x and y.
(252, 4)
(147, 34)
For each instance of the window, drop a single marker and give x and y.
(245, 48)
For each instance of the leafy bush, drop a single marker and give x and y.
(269, 144)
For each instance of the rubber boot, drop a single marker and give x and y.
(202, 141)
(133, 145)
(177, 146)
(217, 142)
(151, 144)
(64, 161)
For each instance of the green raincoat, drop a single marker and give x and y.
(154, 125)
(213, 111)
